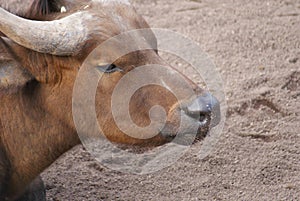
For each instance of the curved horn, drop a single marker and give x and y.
(62, 37)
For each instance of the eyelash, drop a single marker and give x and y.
(109, 68)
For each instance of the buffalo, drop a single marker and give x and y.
(43, 45)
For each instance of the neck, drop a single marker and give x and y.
(34, 135)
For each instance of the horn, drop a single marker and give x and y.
(63, 37)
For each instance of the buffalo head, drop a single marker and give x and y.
(53, 51)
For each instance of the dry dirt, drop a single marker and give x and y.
(256, 48)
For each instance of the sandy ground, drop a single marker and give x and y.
(256, 48)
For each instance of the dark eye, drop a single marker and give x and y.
(109, 68)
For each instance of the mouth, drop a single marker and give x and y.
(188, 138)
(191, 131)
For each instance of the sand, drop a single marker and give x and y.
(256, 48)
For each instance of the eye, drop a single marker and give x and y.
(109, 68)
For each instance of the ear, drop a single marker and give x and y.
(12, 75)
(44, 68)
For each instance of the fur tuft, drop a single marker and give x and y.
(44, 7)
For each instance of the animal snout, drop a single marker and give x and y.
(205, 109)
(197, 116)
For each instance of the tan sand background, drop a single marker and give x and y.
(256, 48)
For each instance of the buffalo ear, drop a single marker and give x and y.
(19, 65)
(12, 76)
(28, 64)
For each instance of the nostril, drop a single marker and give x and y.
(203, 108)
(203, 117)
